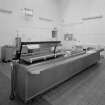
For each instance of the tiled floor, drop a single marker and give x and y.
(86, 88)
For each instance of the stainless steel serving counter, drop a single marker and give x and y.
(29, 81)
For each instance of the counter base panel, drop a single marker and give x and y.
(28, 85)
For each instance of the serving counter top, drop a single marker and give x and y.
(38, 67)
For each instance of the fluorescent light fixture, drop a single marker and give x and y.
(5, 11)
(93, 17)
(45, 19)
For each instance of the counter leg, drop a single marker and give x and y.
(12, 93)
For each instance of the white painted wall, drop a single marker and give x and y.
(91, 31)
(66, 15)
(29, 28)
